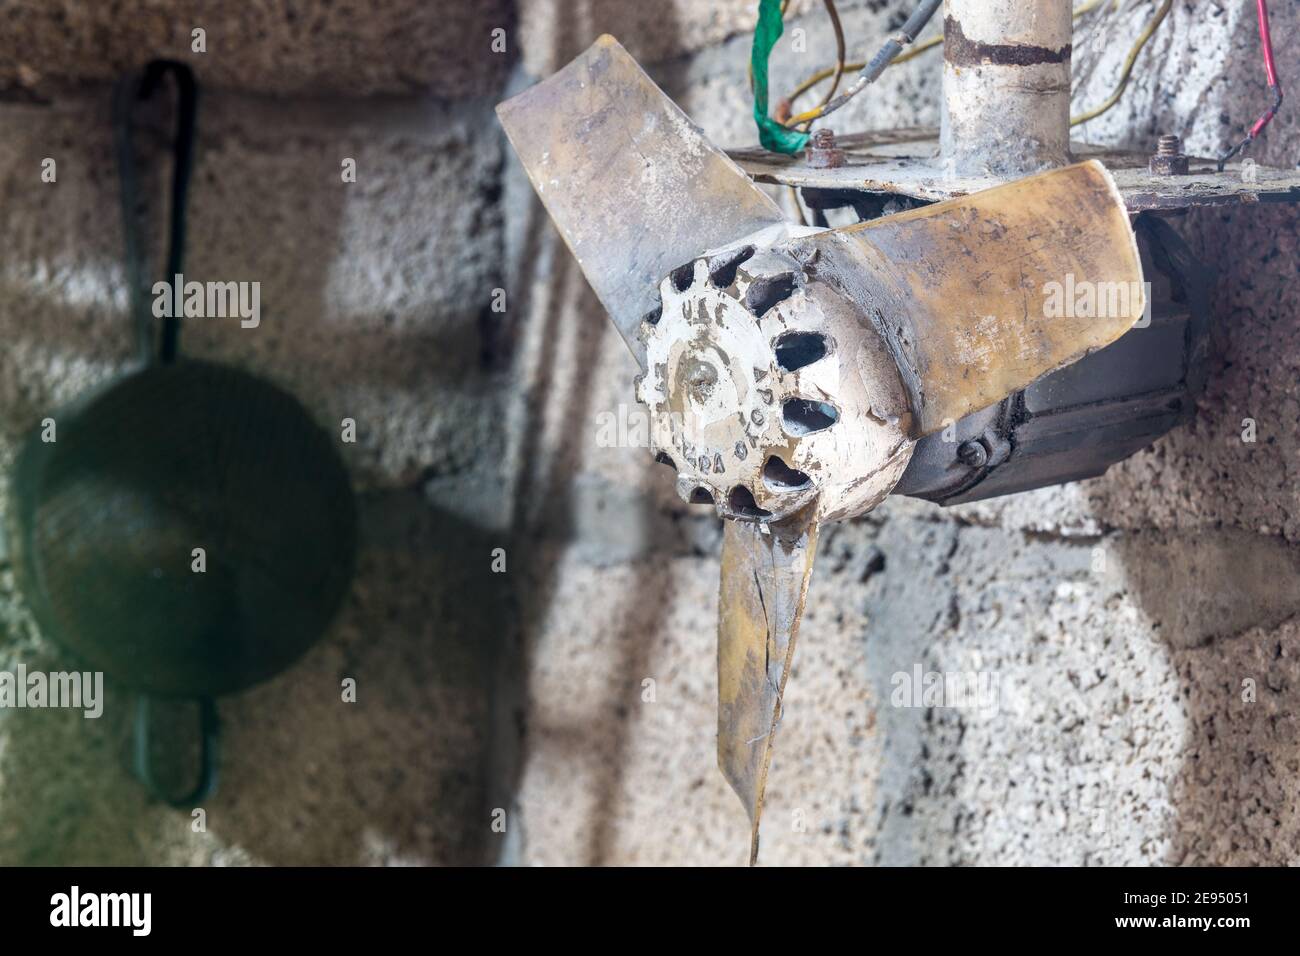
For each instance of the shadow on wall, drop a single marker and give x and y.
(566, 362)
(549, 484)
(1226, 601)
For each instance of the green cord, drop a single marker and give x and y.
(771, 134)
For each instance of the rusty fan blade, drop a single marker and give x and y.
(634, 186)
(765, 573)
(984, 294)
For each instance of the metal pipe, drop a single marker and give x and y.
(1006, 86)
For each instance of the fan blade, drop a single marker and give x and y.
(633, 185)
(980, 294)
(763, 589)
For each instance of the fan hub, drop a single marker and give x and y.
(708, 358)
(699, 392)
(763, 387)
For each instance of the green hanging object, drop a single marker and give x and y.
(771, 134)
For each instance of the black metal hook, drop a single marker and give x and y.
(209, 753)
(131, 89)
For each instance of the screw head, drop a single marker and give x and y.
(701, 376)
(1168, 159)
(973, 454)
(823, 137)
(822, 151)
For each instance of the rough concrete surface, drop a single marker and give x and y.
(1137, 633)
(280, 47)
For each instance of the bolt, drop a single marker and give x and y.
(1168, 159)
(822, 152)
(700, 377)
(973, 454)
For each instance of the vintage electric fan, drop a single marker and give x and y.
(790, 371)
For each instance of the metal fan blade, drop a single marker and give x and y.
(634, 186)
(765, 572)
(966, 288)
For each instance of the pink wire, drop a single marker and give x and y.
(1270, 67)
(1266, 39)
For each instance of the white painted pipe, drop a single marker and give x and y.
(1006, 86)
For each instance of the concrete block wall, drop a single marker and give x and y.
(1120, 616)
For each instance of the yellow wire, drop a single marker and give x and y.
(809, 115)
(840, 47)
(1128, 66)
(820, 75)
(917, 50)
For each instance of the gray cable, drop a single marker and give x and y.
(894, 46)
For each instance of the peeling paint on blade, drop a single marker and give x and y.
(765, 573)
(634, 187)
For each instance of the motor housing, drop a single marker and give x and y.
(1078, 421)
